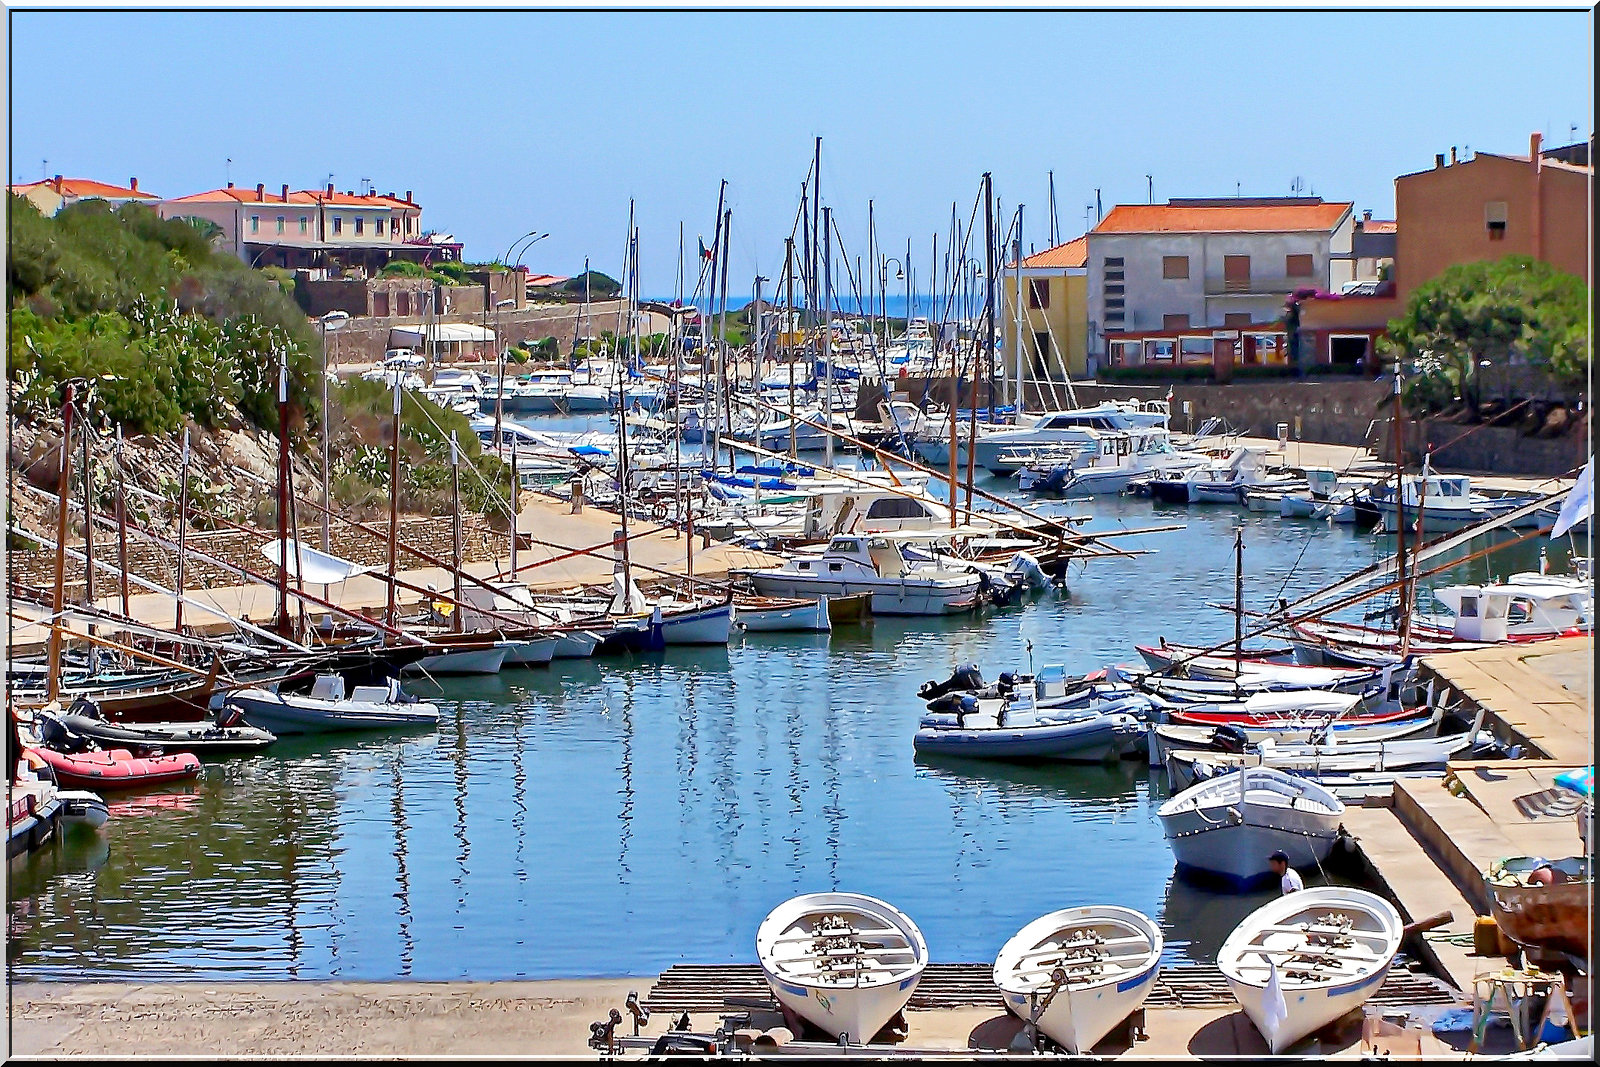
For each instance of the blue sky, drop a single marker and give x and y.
(506, 122)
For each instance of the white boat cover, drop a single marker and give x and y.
(310, 565)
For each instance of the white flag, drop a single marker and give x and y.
(1274, 1010)
(1579, 503)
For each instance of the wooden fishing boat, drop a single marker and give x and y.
(849, 609)
(782, 614)
(326, 708)
(1236, 736)
(1227, 826)
(1079, 972)
(1301, 961)
(1186, 766)
(1536, 915)
(844, 962)
(1310, 708)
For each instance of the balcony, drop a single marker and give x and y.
(1260, 286)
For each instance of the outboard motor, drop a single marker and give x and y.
(1230, 738)
(87, 708)
(56, 735)
(1024, 569)
(965, 679)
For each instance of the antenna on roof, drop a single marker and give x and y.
(44, 169)
(1054, 232)
(1149, 189)
(227, 170)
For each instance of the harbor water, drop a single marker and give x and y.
(617, 816)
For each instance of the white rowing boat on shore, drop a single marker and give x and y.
(1301, 961)
(1079, 972)
(844, 962)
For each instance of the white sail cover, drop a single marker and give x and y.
(310, 565)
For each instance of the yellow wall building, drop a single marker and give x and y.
(1055, 316)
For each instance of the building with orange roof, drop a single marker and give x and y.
(1053, 317)
(1208, 271)
(314, 229)
(53, 194)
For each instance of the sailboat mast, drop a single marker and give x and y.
(88, 525)
(183, 529)
(1404, 618)
(282, 626)
(516, 499)
(1238, 597)
(455, 530)
(122, 524)
(1018, 398)
(622, 424)
(826, 392)
(57, 599)
(788, 334)
(394, 506)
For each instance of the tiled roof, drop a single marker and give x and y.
(1163, 218)
(1074, 253)
(241, 195)
(1379, 226)
(84, 187)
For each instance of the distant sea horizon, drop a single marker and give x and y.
(894, 306)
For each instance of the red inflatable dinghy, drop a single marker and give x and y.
(118, 768)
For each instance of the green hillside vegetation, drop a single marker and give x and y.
(161, 326)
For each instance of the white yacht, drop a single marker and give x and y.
(1066, 427)
(875, 565)
(1120, 457)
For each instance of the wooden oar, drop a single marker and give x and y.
(1367, 934)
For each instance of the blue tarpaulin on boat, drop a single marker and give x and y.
(838, 372)
(776, 471)
(746, 483)
(589, 450)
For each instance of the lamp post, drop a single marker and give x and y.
(500, 388)
(883, 291)
(330, 323)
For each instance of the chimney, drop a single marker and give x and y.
(1438, 160)
(285, 192)
(133, 183)
(1452, 155)
(1537, 161)
(408, 196)
(230, 185)
(1366, 216)
(330, 188)
(390, 195)
(56, 182)
(261, 191)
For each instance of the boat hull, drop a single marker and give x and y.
(307, 715)
(801, 617)
(201, 738)
(1080, 1016)
(119, 768)
(702, 626)
(1547, 917)
(530, 652)
(1236, 853)
(1098, 739)
(889, 597)
(465, 661)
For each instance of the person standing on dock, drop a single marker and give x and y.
(1289, 878)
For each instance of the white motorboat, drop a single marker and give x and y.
(997, 451)
(1226, 737)
(781, 614)
(844, 962)
(82, 808)
(1542, 605)
(1077, 973)
(694, 624)
(1313, 760)
(1221, 484)
(1218, 666)
(1446, 502)
(874, 565)
(1027, 733)
(327, 708)
(1120, 457)
(488, 608)
(1301, 961)
(1227, 826)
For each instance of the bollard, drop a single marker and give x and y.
(577, 494)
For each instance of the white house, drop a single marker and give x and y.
(1228, 263)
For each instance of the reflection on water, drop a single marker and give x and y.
(617, 816)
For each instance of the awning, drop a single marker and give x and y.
(444, 333)
(320, 568)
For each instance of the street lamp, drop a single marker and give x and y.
(330, 323)
(883, 291)
(500, 389)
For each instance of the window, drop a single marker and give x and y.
(1038, 292)
(1469, 607)
(1159, 350)
(280, 223)
(380, 304)
(408, 224)
(1236, 273)
(896, 508)
(1494, 218)
(1299, 266)
(1174, 322)
(1235, 320)
(1115, 302)
(1041, 344)
(1124, 353)
(304, 222)
(359, 221)
(403, 303)
(338, 223)
(1174, 266)
(255, 223)
(1194, 349)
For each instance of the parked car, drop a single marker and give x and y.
(403, 357)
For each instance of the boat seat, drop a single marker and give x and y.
(328, 687)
